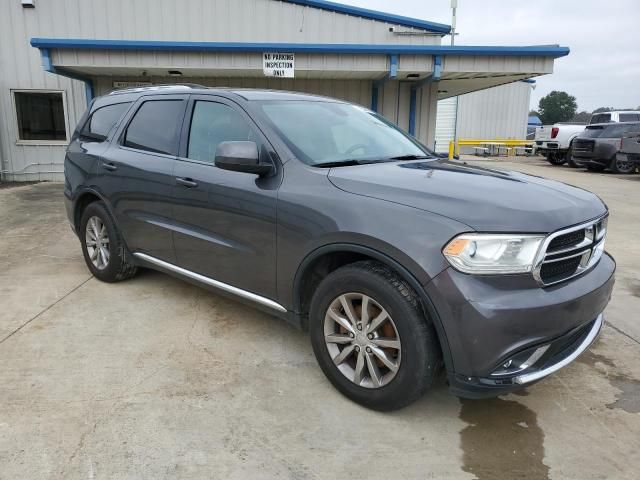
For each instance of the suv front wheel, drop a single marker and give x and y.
(371, 338)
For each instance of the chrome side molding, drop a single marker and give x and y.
(211, 282)
(533, 376)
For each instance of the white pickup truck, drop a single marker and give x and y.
(554, 141)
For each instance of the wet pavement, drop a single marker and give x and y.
(155, 378)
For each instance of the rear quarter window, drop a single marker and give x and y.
(103, 120)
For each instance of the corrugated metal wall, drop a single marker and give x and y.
(186, 20)
(499, 112)
(446, 123)
(495, 113)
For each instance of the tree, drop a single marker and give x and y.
(602, 109)
(582, 117)
(534, 113)
(557, 107)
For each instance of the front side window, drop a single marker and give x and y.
(213, 123)
(103, 120)
(40, 116)
(155, 127)
(327, 132)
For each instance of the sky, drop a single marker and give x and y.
(603, 68)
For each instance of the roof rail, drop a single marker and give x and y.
(160, 86)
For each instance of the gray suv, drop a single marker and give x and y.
(397, 262)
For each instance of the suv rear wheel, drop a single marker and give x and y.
(556, 158)
(622, 166)
(371, 338)
(102, 246)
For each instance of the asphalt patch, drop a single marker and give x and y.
(503, 440)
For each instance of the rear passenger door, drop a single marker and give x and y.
(136, 173)
(226, 221)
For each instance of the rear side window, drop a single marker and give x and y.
(155, 127)
(601, 118)
(617, 131)
(102, 121)
(213, 123)
(629, 117)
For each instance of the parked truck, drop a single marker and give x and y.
(554, 141)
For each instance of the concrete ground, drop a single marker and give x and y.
(154, 378)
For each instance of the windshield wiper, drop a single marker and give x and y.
(348, 163)
(410, 157)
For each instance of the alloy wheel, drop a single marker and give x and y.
(97, 242)
(362, 340)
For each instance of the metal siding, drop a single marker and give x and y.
(445, 123)
(496, 113)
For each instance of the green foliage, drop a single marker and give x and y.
(582, 117)
(557, 107)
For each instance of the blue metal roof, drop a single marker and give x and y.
(95, 44)
(374, 15)
(534, 120)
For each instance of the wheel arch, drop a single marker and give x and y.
(337, 255)
(84, 199)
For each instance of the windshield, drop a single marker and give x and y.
(331, 133)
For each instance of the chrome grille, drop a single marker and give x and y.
(570, 252)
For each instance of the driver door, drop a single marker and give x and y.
(226, 221)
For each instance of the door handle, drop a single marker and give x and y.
(109, 166)
(186, 182)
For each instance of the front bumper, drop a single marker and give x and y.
(488, 321)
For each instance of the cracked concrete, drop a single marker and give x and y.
(155, 378)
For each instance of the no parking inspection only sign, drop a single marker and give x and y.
(279, 65)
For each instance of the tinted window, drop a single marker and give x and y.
(155, 127)
(212, 123)
(616, 131)
(102, 120)
(40, 116)
(601, 118)
(629, 117)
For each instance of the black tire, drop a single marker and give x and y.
(622, 167)
(556, 158)
(594, 167)
(119, 266)
(420, 354)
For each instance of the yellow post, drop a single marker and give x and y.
(451, 150)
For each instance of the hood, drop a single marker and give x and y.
(484, 199)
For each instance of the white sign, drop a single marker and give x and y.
(279, 65)
(131, 84)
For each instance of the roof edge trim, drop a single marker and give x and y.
(374, 15)
(363, 49)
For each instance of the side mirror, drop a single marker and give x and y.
(241, 157)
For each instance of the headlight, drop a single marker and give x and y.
(492, 253)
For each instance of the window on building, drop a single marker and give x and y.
(103, 120)
(155, 127)
(213, 123)
(40, 116)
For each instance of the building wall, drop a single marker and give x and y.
(169, 20)
(495, 113)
